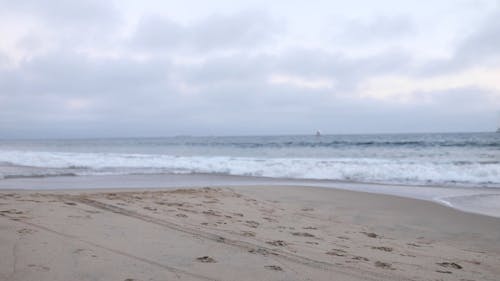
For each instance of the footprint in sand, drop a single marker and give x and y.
(302, 234)
(385, 249)
(449, 265)
(280, 243)
(270, 219)
(211, 213)
(360, 258)
(310, 228)
(26, 231)
(274, 267)
(80, 217)
(261, 251)
(248, 233)
(188, 210)
(206, 259)
(336, 252)
(12, 212)
(384, 265)
(252, 224)
(175, 204)
(83, 251)
(370, 234)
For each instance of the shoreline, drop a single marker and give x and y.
(244, 232)
(466, 199)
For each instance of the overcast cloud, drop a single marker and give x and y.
(111, 69)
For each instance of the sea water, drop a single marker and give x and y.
(454, 161)
(421, 159)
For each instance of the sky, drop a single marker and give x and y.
(163, 68)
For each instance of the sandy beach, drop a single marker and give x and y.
(250, 140)
(240, 233)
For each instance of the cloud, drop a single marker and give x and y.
(347, 72)
(483, 43)
(244, 30)
(64, 14)
(158, 33)
(238, 93)
(301, 82)
(477, 48)
(57, 90)
(408, 89)
(73, 73)
(31, 28)
(4, 60)
(29, 43)
(225, 69)
(234, 73)
(379, 29)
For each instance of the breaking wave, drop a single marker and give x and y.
(407, 171)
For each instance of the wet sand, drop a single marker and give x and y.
(240, 233)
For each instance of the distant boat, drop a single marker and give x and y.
(318, 133)
(498, 130)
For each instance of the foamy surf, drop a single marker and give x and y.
(396, 171)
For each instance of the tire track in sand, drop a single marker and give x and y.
(171, 269)
(254, 248)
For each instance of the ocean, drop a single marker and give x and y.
(468, 159)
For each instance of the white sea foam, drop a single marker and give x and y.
(349, 169)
